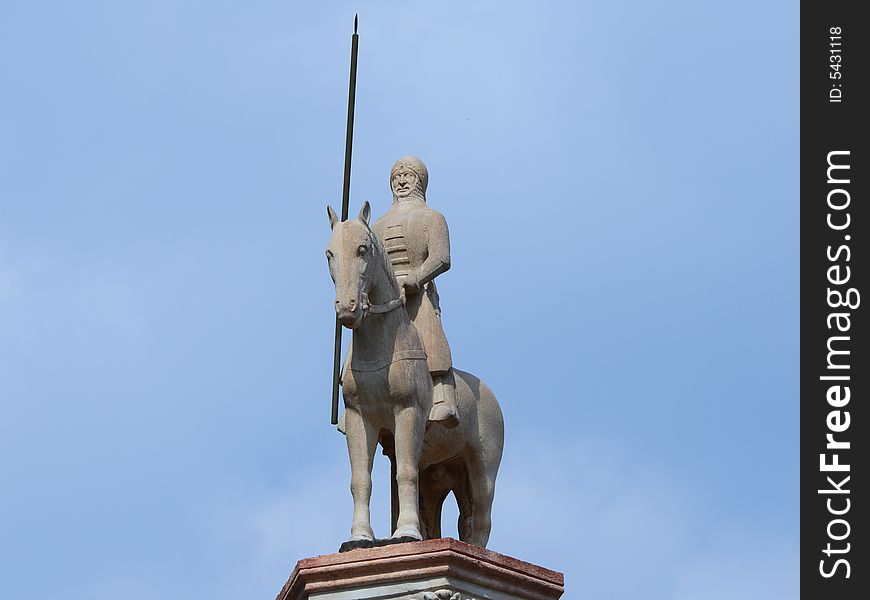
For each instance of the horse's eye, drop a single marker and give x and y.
(361, 251)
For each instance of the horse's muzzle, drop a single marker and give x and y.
(348, 313)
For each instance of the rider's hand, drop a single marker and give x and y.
(410, 284)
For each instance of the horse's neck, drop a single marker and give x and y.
(384, 289)
(383, 324)
(382, 334)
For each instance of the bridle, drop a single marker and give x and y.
(380, 309)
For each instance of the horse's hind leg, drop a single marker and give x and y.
(361, 442)
(461, 488)
(475, 501)
(432, 495)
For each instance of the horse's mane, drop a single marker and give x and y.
(385, 259)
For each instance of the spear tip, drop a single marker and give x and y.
(355, 23)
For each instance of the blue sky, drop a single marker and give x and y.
(621, 183)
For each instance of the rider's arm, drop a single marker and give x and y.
(438, 260)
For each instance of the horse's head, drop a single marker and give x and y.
(355, 265)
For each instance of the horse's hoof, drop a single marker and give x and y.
(363, 537)
(408, 533)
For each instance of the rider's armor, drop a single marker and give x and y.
(416, 239)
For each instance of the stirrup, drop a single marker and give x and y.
(444, 415)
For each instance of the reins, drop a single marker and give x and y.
(379, 309)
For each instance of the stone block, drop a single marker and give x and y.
(438, 569)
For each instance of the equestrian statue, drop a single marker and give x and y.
(441, 428)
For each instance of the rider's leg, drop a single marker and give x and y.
(444, 400)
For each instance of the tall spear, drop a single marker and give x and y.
(345, 198)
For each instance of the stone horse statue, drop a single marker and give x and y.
(388, 392)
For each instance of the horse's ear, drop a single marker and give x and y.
(333, 218)
(365, 213)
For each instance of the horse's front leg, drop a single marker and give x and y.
(410, 424)
(361, 442)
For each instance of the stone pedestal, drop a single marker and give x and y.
(442, 569)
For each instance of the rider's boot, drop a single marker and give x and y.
(444, 401)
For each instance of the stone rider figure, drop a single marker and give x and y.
(416, 239)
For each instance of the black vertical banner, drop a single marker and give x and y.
(835, 299)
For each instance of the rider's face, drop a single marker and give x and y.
(403, 182)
